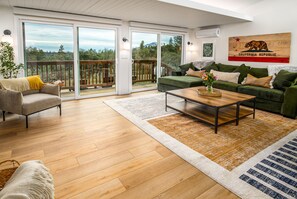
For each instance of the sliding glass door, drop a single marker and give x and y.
(154, 55)
(144, 64)
(171, 53)
(96, 52)
(48, 52)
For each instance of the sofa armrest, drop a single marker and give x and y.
(11, 101)
(51, 89)
(289, 107)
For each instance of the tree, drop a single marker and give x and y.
(8, 68)
(61, 49)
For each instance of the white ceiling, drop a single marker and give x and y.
(149, 11)
(234, 5)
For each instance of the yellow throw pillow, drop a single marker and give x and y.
(263, 82)
(193, 73)
(35, 82)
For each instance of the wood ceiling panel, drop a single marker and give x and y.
(149, 11)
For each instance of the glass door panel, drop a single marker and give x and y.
(96, 61)
(171, 53)
(49, 53)
(144, 55)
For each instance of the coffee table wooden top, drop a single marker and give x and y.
(228, 97)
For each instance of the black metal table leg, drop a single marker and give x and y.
(60, 107)
(27, 125)
(216, 120)
(166, 102)
(237, 113)
(3, 114)
(254, 113)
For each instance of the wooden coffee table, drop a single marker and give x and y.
(212, 110)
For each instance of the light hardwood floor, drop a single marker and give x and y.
(94, 152)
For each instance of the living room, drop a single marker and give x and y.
(110, 135)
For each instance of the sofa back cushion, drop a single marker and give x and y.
(284, 79)
(258, 72)
(243, 70)
(262, 82)
(226, 68)
(213, 66)
(225, 76)
(185, 67)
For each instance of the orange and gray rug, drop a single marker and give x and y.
(231, 157)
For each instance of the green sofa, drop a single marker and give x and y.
(282, 100)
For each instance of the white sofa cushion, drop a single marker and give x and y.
(226, 76)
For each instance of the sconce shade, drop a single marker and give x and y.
(126, 45)
(7, 37)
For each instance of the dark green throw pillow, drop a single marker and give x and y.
(284, 79)
(243, 70)
(226, 68)
(213, 66)
(185, 67)
(259, 72)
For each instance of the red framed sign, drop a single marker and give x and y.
(260, 48)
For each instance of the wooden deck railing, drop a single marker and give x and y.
(93, 73)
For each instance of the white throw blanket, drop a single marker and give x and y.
(31, 180)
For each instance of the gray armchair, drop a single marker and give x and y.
(30, 102)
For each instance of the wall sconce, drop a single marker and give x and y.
(126, 43)
(191, 46)
(7, 37)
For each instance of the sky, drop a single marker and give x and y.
(50, 37)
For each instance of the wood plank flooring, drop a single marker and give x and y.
(94, 152)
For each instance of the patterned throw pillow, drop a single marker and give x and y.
(254, 81)
(202, 64)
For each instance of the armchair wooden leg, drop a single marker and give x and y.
(60, 107)
(27, 121)
(3, 114)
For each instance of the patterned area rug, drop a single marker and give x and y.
(228, 156)
(233, 145)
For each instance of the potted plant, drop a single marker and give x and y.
(208, 79)
(8, 68)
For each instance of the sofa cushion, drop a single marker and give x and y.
(262, 82)
(193, 73)
(284, 79)
(35, 82)
(185, 67)
(258, 72)
(243, 70)
(229, 86)
(226, 68)
(226, 76)
(200, 64)
(40, 101)
(211, 67)
(263, 93)
(181, 81)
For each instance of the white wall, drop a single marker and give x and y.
(6, 21)
(270, 16)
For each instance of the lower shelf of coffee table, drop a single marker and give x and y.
(207, 114)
